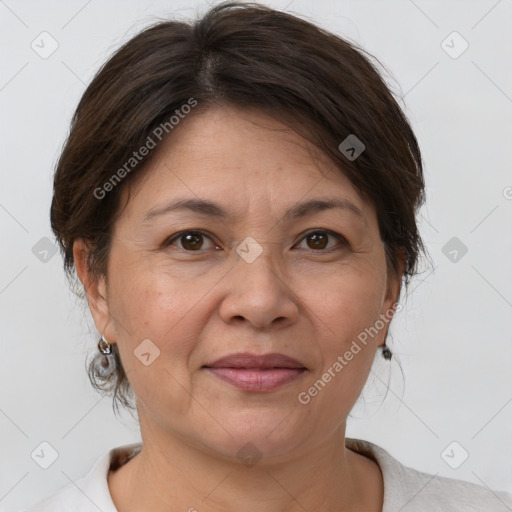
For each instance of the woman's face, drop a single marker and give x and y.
(307, 284)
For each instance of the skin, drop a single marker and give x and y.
(306, 300)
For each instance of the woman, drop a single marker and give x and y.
(238, 197)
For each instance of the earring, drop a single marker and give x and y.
(386, 352)
(105, 361)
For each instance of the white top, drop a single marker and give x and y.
(404, 488)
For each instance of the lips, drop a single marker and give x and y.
(256, 373)
(253, 361)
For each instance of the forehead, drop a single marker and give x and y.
(239, 157)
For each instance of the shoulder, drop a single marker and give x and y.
(415, 491)
(91, 492)
(433, 492)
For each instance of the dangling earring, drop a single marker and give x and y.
(105, 361)
(386, 352)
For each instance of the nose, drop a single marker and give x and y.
(259, 294)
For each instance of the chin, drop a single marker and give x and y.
(255, 434)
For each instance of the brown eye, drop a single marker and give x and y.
(320, 239)
(317, 240)
(192, 241)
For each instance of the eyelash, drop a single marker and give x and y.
(333, 234)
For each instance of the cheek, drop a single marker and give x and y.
(151, 301)
(350, 302)
(147, 301)
(347, 309)
(345, 313)
(151, 307)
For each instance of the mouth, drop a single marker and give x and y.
(257, 373)
(258, 380)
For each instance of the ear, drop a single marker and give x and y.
(394, 283)
(394, 280)
(95, 288)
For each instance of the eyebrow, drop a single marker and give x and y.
(210, 209)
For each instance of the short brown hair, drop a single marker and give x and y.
(240, 54)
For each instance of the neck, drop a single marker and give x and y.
(169, 474)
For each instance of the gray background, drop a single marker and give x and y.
(453, 339)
